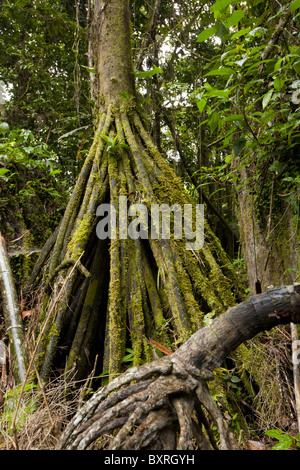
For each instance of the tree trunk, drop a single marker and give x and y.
(271, 256)
(113, 52)
(157, 289)
(170, 395)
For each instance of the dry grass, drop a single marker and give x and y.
(41, 416)
(269, 365)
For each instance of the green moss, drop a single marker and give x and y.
(79, 238)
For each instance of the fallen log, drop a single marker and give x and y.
(166, 404)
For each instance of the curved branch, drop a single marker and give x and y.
(207, 348)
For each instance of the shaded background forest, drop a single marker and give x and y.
(219, 84)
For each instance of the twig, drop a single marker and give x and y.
(44, 396)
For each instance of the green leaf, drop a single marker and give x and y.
(219, 5)
(278, 83)
(276, 433)
(241, 62)
(266, 99)
(235, 18)
(295, 5)
(240, 33)
(89, 69)
(276, 166)
(222, 71)
(258, 32)
(234, 117)
(214, 121)
(3, 171)
(235, 379)
(107, 139)
(149, 73)
(222, 31)
(201, 104)
(297, 67)
(55, 172)
(239, 145)
(206, 34)
(284, 444)
(278, 64)
(218, 93)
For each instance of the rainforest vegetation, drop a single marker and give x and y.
(140, 343)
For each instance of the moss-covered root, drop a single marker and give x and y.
(84, 336)
(115, 331)
(79, 191)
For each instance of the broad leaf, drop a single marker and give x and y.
(297, 67)
(218, 93)
(239, 145)
(278, 83)
(235, 18)
(220, 5)
(266, 99)
(284, 444)
(206, 34)
(201, 104)
(240, 33)
(220, 71)
(222, 31)
(295, 5)
(3, 171)
(148, 73)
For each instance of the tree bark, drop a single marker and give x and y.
(113, 52)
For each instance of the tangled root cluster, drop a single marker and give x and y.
(163, 405)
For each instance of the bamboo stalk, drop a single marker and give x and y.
(12, 314)
(296, 370)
